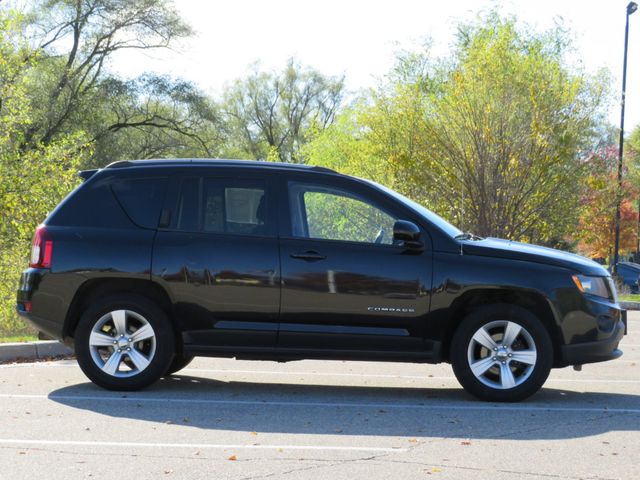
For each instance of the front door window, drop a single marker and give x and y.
(329, 213)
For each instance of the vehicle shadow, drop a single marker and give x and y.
(358, 410)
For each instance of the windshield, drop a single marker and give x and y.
(435, 219)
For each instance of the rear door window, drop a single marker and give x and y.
(216, 205)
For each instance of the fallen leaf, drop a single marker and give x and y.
(413, 440)
(232, 458)
(253, 433)
(465, 442)
(167, 472)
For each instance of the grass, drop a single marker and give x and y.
(629, 297)
(18, 339)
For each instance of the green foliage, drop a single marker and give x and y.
(72, 89)
(270, 115)
(350, 146)
(32, 181)
(490, 138)
(153, 117)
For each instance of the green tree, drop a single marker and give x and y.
(491, 137)
(270, 115)
(154, 116)
(73, 89)
(32, 181)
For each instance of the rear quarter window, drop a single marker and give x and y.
(141, 198)
(91, 205)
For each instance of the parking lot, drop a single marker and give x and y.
(222, 419)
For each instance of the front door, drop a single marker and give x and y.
(218, 259)
(345, 285)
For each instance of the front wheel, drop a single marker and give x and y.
(124, 343)
(179, 362)
(501, 353)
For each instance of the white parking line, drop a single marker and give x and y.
(491, 407)
(202, 446)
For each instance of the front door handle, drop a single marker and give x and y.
(308, 255)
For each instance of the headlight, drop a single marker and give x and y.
(599, 286)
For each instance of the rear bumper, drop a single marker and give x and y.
(599, 351)
(52, 329)
(43, 308)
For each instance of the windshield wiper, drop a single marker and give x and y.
(467, 236)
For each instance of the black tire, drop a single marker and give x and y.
(528, 377)
(154, 354)
(178, 363)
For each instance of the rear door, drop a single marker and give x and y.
(218, 258)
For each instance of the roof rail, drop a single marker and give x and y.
(214, 161)
(120, 164)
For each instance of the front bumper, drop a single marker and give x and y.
(598, 351)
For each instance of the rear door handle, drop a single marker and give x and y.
(308, 255)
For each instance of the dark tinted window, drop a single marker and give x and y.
(141, 198)
(91, 205)
(188, 209)
(222, 206)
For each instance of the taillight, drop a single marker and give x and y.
(42, 249)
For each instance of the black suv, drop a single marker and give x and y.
(150, 263)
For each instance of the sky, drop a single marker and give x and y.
(360, 38)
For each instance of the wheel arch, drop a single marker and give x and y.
(93, 289)
(533, 301)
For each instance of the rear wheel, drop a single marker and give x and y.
(124, 343)
(501, 353)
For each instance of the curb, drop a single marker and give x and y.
(10, 352)
(630, 305)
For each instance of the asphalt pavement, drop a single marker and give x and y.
(227, 419)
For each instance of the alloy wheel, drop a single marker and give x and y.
(122, 343)
(502, 354)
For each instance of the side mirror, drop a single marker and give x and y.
(407, 234)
